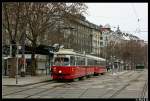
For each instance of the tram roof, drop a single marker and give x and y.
(67, 52)
(96, 58)
(71, 52)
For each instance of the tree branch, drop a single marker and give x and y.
(17, 20)
(7, 21)
(29, 38)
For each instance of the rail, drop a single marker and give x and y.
(143, 93)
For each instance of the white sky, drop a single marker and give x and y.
(123, 14)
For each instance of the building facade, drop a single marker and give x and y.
(105, 35)
(81, 35)
(96, 35)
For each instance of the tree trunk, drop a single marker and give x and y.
(33, 72)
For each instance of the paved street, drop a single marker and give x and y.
(23, 81)
(129, 84)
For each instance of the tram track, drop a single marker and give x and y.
(44, 90)
(122, 88)
(34, 86)
(123, 76)
(30, 87)
(143, 93)
(54, 87)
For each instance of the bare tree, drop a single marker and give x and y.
(38, 19)
(12, 22)
(43, 18)
(130, 51)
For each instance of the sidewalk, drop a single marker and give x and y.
(24, 81)
(118, 73)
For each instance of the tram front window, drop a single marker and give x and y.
(60, 61)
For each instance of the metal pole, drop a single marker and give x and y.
(106, 49)
(112, 65)
(23, 55)
(3, 70)
(50, 64)
(17, 67)
(112, 68)
(10, 50)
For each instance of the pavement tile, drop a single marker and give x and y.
(69, 96)
(31, 91)
(14, 96)
(128, 94)
(46, 92)
(93, 93)
(34, 96)
(8, 91)
(77, 92)
(108, 93)
(146, 95)
(24, 80)
(47, 97)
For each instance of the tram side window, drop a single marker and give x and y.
(90, 62)
(61, 61)
(95, 62)
(80, 61)
(98, 63)
(77, 61)
(72, 60)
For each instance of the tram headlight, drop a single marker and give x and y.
(59, 71)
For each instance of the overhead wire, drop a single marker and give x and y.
(138, 19)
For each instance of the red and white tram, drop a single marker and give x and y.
(69, 65)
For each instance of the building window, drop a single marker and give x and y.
(101, 43)
(106, 39)
(101, 38)
(101, 34)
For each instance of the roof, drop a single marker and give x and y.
(66, 51)
(126, 38)
(71, 52)
(97, 58)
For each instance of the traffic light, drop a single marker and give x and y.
(14, 48)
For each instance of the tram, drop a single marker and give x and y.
(140, 67)
(69, 65)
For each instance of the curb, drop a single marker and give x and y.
(27, 84)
